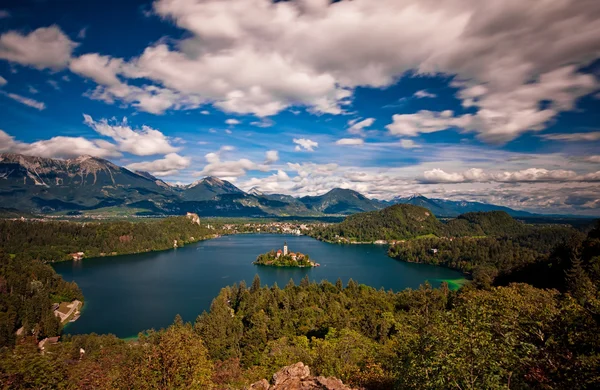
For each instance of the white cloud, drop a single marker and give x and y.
(424, 121)
(169, 165)
(231, 169)
(305, 144)
(25, 100)
(350, 141)
(228, 131)
(82, 33)
(46, 47)
(64, 147)
(573, 137)
(271, 156)
(592, 159)
(263, 122)
(523, 176)
(32, 90)
(509, 56)
(2, 81)
(205, 112)
(357, 127)
(424, 94)
(232, 122)
(143, 142)
(408, 144)
(102, 69)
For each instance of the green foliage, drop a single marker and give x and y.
(486, 257)
(54, 241)
(392, 223)
(271, 259)
(27, 290)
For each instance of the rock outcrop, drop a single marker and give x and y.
(297, 377)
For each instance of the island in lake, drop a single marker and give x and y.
(284, 258)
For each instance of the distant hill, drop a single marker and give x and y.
(340, 201)
(488, 223)
(405, 221)
(396, 222)
(42, 184)
(451, 208)
(207, 189)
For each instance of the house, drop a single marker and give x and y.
(433, 250)
(47, 341)
(77, 255)
(279, 252)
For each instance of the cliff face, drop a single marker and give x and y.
(297, 377)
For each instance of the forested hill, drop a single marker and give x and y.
(396, 222)
(489, 223)
(405, 221)
(54, 241)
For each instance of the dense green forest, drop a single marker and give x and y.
(504, 337)
(404, 221)
(396, 222)
(486, 257)
(27, 290)
(54, 241)
(507, 335)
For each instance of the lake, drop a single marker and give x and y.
(131, 293)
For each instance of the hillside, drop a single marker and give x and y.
(340, 201)
(451, 208)
(45, 185)
(396, 222)
(88, 184)
(484, 224)
(207, 189)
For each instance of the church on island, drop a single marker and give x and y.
(285, 258)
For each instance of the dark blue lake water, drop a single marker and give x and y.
(128, 294)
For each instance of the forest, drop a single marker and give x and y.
(50, 241)
(492, 333)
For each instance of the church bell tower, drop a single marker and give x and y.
(285, 249)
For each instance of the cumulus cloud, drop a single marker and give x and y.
(523, 176)
(171, 164)
(573, 137)
(143, 142)
(305, 144)
(2, 81)
(424, 94)
(63, 147)
(271, 156)
(232, 122)
(357, 127)
(350, 141)
(425, 121)
(230, 169)
(25, 100)
(507, 55)
(46, 47)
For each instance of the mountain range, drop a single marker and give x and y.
(45, 185)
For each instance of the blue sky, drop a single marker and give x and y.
(490, 102)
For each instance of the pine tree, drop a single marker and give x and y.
(255, 284)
